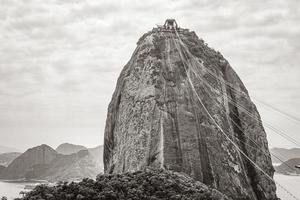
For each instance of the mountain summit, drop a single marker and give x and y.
(36, 156)
(179, 105)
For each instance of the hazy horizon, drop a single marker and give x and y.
(54, 147)
(14, 149)
(60, 60)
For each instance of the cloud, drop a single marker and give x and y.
(95, 10)
(60, 59)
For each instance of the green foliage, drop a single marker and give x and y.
(148, 184)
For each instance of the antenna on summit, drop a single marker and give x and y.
(171, 24)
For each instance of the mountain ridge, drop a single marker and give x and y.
(7, 158)
(68, 148)
(42, 154)
(43, 162)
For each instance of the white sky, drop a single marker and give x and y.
(60, 59)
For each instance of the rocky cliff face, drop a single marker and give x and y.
(171, 101)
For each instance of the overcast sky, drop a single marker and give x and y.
(60, 59)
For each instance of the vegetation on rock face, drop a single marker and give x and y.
(152, 184)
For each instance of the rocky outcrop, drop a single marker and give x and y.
(158, 117)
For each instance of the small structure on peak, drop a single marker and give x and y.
(170, 24)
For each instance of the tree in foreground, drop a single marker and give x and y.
(148, 184)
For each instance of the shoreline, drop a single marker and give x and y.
(24, 181)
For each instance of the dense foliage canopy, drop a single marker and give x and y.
(152, 184)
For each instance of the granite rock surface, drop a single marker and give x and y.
(179, 105)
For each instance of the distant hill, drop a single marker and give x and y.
(45, 163)
(7, 158)
(288, 167)
(39, 155)
(97, 154)
(1, 168)
(74, 167)
(67, 168)
(284, 154)
(67, 148)
(4, 149)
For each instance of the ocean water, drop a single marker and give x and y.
(12, 190)
(291, 183)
